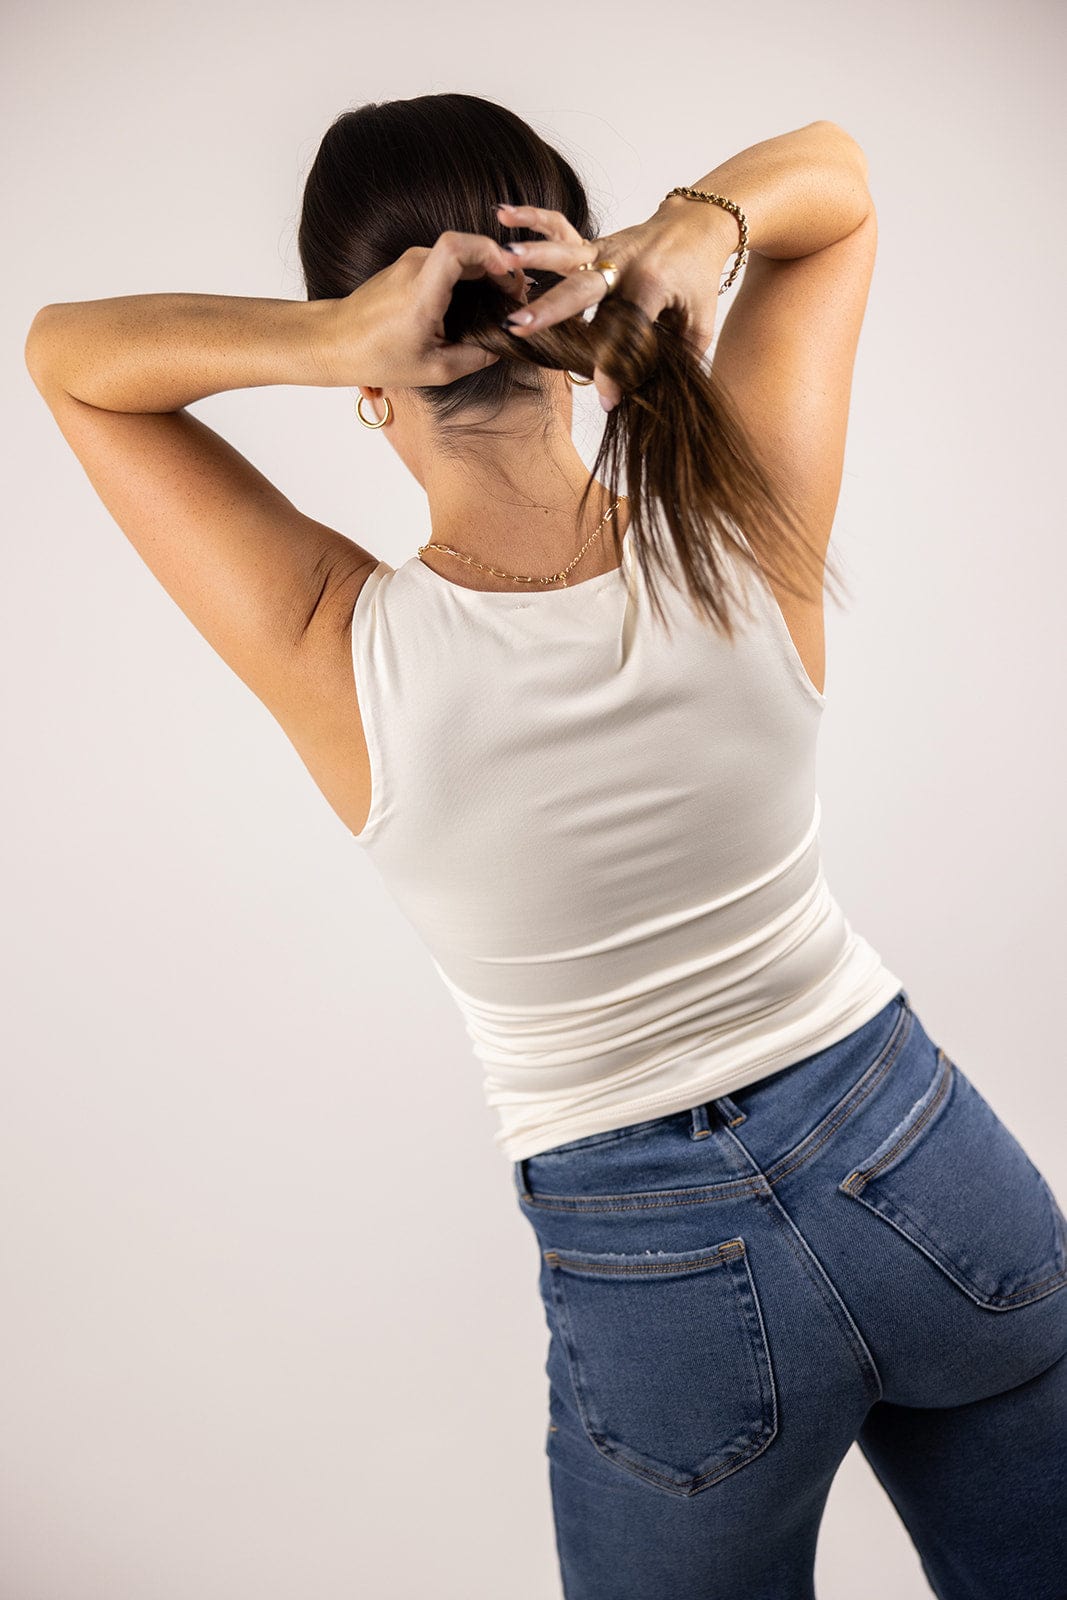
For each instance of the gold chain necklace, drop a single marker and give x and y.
(556, 577)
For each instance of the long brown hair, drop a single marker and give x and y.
(401, 172)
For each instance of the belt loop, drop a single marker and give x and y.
(730, 1113)
(699, 1126)
(518, 1172)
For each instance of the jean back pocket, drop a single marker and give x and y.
(669, 1360)
(957, 1184)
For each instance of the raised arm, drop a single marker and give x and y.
(787, 347)
(251, 572)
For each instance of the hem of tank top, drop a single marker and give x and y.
(650, 1101)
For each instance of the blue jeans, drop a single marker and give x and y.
(855, 1248)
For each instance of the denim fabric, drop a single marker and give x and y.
(854, 1248)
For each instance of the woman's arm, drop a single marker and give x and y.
(267, 586)
(148, 353)
(159, 352)
(799, 192)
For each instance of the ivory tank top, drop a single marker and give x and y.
(607, 839)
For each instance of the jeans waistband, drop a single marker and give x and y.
(731, 1115)
(727, 1109)
(804, 1090)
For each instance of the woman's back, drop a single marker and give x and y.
(607, 836)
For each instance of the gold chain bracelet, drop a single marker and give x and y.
(730, 205)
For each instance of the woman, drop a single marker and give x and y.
(773, 1217)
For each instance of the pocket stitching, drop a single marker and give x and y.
(673, 1261)
(647, 1199)
(730, 1253)
(937, 1091)
(891, 1208)
(951, 1270)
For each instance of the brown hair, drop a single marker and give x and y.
(401, 172)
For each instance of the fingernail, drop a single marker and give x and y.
(521, 316)
(514, 249)
(606, 404)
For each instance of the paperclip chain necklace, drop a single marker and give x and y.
(556, 577)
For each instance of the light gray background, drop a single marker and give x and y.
(269, 1319)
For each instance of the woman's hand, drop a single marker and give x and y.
(389, 333)
(675, 260)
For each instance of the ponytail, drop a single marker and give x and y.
(693, 477)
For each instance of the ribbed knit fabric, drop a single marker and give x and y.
(607, 837)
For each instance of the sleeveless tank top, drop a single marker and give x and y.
(607, 838)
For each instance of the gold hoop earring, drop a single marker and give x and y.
(571, 378)
(380, 423)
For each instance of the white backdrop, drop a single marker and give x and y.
(269, 1322)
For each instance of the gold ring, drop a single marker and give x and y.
(608, 268)
(573, 378)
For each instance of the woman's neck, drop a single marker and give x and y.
(524, 525)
